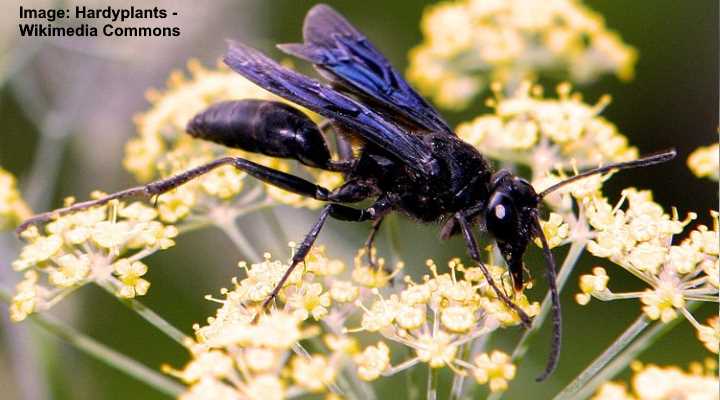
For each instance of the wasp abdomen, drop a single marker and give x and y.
(268, 127)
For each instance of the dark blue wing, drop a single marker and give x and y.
(325, 101)
(344, 55)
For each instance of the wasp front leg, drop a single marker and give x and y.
(475, 255)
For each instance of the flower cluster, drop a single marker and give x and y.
(654, 382)
(438, 320)
(162, 148)
(104, 245)
(639, 238)
(12, 207)
(705, 162)
(244, 353)
(469, 43)
(543, 133)
(255, 360)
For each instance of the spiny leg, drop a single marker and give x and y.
(475, 255)
(280, 179)
(370, 242)
(336, 211)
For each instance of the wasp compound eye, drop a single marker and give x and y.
(501, 216)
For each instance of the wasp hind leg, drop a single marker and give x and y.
(271, 176)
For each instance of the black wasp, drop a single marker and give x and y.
(411, 161)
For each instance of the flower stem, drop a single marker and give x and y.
(149, 315)
(277, 230)
(637, 327)
(601, 370)
(102, 353)
(458, 383)
(432, 383)
(231, 230)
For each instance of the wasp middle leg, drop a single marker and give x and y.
(370, 242)
(337, 211)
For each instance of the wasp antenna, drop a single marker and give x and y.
(551, 275)
(652, 159)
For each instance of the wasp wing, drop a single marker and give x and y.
(345, 56)
(329, 103)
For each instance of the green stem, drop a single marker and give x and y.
(231, 230)
(587, 388)
(149, 315)
(277, 230)
(102, 353)
(346, 388)
(576, 249)
(637, 327)
(456, 390)
(413, 391)
(193, 224)
(432, 383)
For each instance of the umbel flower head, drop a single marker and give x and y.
(255, 360)
(436, 319)
(243, 353)
(639, 238)
(469, 43)
(650, 382)
(12, 207)
(103, 244)
(162, 148)
(545, 133)
(704, 162)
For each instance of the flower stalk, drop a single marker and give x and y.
(432, 383)
(635, 329)
(147, 314)
(230, 228)
(618, 356)
(103, 353)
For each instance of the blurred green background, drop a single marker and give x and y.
(84, 92)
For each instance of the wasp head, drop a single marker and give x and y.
(510, 216)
